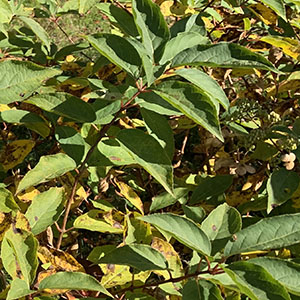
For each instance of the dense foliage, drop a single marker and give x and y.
(149, 150)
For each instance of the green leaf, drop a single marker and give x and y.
(20, 116)
(195, 213)
(148, 153)
(269, 233)
(204, 82)
(281, 186)
(49, 167)
(7, 201)
(286, 272)
(139, 256)
(210, 187)
(72, 281)
(24, 246)
(8, 258)
(220, 225)
(19, 288)
(277, 6)
(38, 30)
(201, 289)
(193, 23)
(119, 51)
(93, 221)
(85, 5)
(21, 78)
(66, 105)
(158, 126)
(165, 199)
(119, 17)
(263, 151)
(222, 55)
(182, 41)
(192, 102)
(45, 209)
(256, 282)
(150, 24)
(182, 229)
(71, 142)
(6, 13)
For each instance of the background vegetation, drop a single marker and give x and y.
(149, 150)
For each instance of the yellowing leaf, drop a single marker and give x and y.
(264, 13)
(289, 46)
(59, 260)
(22, 222)
(165, 8)
(28, 194)
(15, 152)
(4, 107)
(5, 222)
(130, 195)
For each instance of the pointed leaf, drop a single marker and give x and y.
(45, 209)
(220, 225)
(256, 282)
(20, 79)
(49, 167)
(269, 233)
(117, 50)
(208, 85)
(150, 24)
(66, 105)
(182, 229)
(286, 272)
(223, 55)
(281, 186)
(7, 201)
(24, 246)
(192, 102)
(182, 41)
(72, 281)
(201, 289)
(139, 256)
(38, 30)
(158, 126)
(148, 153)
(19, 288)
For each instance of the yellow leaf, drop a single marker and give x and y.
(130, 195)
(22, 222)
(15, 152)
(165, 8)
(264, 13)
(4, 107)
(5, 222)
(28, 194)
(289, 46)
(59, 260)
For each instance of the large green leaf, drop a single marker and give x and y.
(182, 229)
(220, 225)
(49, 167)
(38, 30)
(119, 17)
(66, 105)
(71, 142)
(224, 55)
(151, 24)
(20, 79)
(201, 290)
(208, 85)
(45, 209)
(276, 232)
(256, 282)
(7, 201)
(148, 153)
(117, 50)
(72, 281)
(20, 116)
(181, 42)
(24, 246)
(18, 289)
(158, 126)
(286, 272)
(139, 256)
(277, 6)
(210, 187)
(281, 186)
(191, 101)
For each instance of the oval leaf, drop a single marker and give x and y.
(182, 229)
